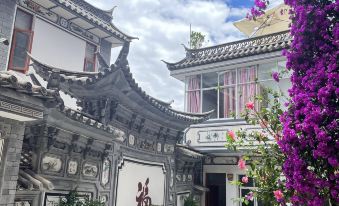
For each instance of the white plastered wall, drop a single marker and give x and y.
(57, 48)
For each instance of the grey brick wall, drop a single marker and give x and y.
(7, 10)
(13, 132)
(105, 50)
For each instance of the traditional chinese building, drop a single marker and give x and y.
(70, 121)
(223, 78)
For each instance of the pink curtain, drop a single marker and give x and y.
(229, 93)
(247, 88)
(193, 97)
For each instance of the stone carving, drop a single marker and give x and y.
(212, 136)
(168, 148)
(189, 178)
(146, 145)
(21, 109)
(131, 139)
(72, 168)
(51, 163)
(103, 199)
(90, 170)
(119, 135)
(106, 167)
(22, 203)
(63, 22)
(159, 147)
(178, 178)
(52, 132)
(141, 125)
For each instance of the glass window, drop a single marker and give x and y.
(90, 58)
(23, 20)
(21, 41)
(246, 87)
(228, 92)
(245, 189)
(193, 99)
(209, 80)
(265, 70)
(210, 101)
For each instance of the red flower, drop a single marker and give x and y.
(244, 179)
(231, 135)
(250, 105)
(242, 164)
(278, 195)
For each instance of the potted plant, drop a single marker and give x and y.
(189, 201)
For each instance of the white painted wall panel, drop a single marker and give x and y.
(56, 47)
(133, 173)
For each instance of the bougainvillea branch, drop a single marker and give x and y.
(310, 133)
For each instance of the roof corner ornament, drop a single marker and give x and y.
(102, 62)
(54, 80)
(122, 58)
(187, 50)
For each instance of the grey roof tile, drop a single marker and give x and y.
(232, 50)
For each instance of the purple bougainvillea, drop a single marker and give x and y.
(310, 134)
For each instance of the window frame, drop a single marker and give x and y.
(255, 200)
(13, 41)
(86, 59)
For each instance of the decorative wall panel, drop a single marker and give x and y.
(141, 183)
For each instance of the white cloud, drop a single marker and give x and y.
(162, 25)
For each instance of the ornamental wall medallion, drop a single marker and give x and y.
(51, 163)
(168, 148)
(184, 178)
(178, 178)
(159, 147)
(189, 178)
(106, 167)
(119, 134)
(131, 139)
(72, 168)
(103, 199)
(90, 170)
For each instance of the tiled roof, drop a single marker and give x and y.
(95, 15)
(9, 79)
(189, 152)
(84, 80)
(105, 15)
(233, 50)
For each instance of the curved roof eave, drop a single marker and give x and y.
(82, 80)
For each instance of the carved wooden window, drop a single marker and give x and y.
(21, 41)
(90, 58)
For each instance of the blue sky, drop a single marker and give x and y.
(162, 26)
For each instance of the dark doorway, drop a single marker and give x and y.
(216, 182)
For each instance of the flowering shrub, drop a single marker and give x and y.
(310, 133)
(258, 9)
(261, 152)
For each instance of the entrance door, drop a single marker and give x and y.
(216, 182)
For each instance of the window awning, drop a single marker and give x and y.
(201, 188)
